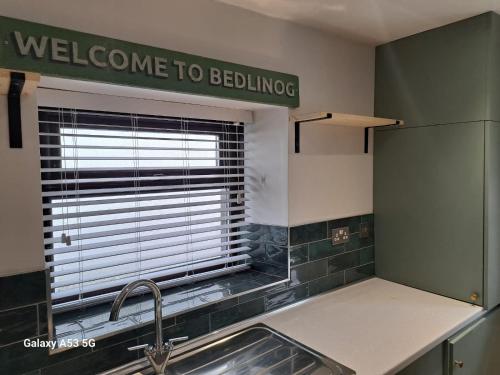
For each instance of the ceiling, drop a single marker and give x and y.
(369, 21)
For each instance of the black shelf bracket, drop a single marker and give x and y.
(367, 135)
(14, 109)
(297, 129)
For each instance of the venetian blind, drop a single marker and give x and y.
(131, 196)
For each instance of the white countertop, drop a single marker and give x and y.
(374, 327)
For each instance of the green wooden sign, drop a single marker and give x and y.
(58, 52)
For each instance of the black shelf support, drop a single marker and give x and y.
(297, 129)
(367, 134)
(14, 109)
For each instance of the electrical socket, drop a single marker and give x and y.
(340, 235)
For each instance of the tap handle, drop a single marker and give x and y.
(171, 342)
(143, 346)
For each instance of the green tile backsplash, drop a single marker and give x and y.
(316, 266)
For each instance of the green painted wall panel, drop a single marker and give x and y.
(428, 205)
(492, 215)
(435, 77)
(493, 72)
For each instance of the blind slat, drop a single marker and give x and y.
(102, 223)
(99, 245)
(145, 228)
(139, 179)
(141, 138)
(145, 247)
(135, 198)
(133, 147)
(140, 189)
(151, 274)
(195, 255)
(71, 215)
(131, 169)
(84, 256)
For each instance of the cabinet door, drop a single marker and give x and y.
(428, 205)
(476, 351)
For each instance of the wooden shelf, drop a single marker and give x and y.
(344, 119)
(29, 86)
(341, 119)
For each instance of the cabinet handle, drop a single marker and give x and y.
(474, 297)
(459, 364)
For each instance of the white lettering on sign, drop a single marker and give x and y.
(144, 65)
(195, 73)
(59, 49)
(181, 65)
(118, 63)
(215, 76)
(76, 59)
(98, 56)
(38, 46)
(161, 67)
(93, 56)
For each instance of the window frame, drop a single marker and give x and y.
(164, 125)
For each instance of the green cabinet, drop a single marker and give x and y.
(476, 350)
(431, 363)
(445, 75)
(429, 187)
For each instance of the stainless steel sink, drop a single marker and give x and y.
(256, 350)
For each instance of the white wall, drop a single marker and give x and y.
(267, 166)
(335, 75)
(21, 237)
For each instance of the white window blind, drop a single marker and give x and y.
(128, 197)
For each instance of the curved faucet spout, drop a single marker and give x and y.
(117, 305)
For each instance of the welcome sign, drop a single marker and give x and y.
(54, 51)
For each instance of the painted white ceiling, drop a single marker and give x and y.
(369, 21)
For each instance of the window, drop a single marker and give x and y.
(128, 197)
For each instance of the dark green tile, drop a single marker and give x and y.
(194, 327)
(280, 271)
(326, 283)
(324, 249)
(299, 255)
(261, 233)
(286, 297)
(260, 293)
(369, 218)
(237, 313)
(94, 362)
(343, 261)
(308, 233)
(34, 372)
(23, 289)
(360, 272)
(18, 324)
(308, 271)
(351, 222)
(218, 306)
(42, 319)
(367, 255)
(357, 243)
(130, 334)
(16, 358)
